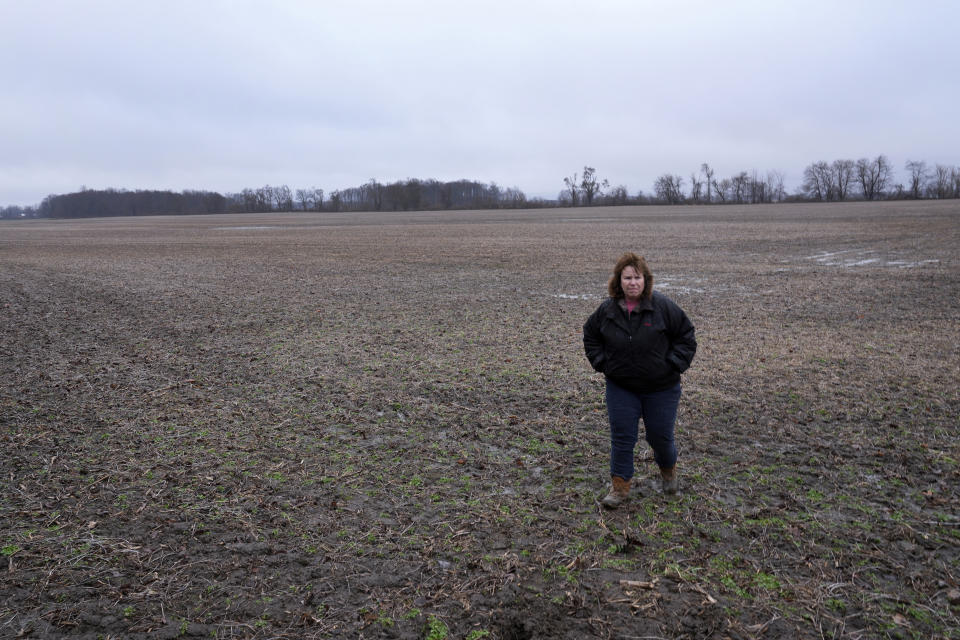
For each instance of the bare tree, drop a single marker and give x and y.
(318, 199)
(250, 200)
(696, 189)
(283, 198)
(514, 198)
(865, 178)
(618, 195)
(757, 189)
(590, 187)
(375, 189)
(918, 177)
(336, 200)
(775, 185)
(739, 186)
(494, 195)
(721, 189)
(707, 178)
(572, 190)
(412, 194)
(883, 173)
(265, 198)
(305, 198)
(873, 176)
(669, 188)
(817, 181)
(842, 175)
(943, 180)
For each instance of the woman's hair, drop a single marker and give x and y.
(638, 263)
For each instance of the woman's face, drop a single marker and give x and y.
(631, 282)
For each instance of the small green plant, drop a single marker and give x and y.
(730, 584)
(919, 614)
(436, 629)
(837, 604)
(476, 634)
(766, 581)
(623, 564)
(9, 550)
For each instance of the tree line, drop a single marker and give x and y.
(410, 195)
(705, 188)
(836, 181)
(404, 195)
(112, 202)
(871, 180)
(840, 180)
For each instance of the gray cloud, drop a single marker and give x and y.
(226, 95)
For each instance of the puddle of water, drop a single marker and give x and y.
(575, 296)
(906, 264)
(827, 255)
(861, 258)
(243, 228)
(679, 288)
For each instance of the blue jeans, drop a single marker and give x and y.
(659, 412)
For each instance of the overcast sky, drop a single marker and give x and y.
(223, 95)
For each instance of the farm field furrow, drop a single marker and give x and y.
(382, 425)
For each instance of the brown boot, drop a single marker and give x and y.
(619, 492)
(670, 482)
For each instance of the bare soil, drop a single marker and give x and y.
(383, 426)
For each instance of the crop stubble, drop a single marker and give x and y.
(365, 425)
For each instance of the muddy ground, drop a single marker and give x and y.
(383, 426)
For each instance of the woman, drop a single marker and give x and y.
(641, 341)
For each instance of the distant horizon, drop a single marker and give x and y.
(792, 189)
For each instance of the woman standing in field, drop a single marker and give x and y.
(641, 341)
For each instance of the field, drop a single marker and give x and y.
(382, 425)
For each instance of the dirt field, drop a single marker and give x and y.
(383, 426)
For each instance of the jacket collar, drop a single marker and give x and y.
(646, 304)
(616, 304)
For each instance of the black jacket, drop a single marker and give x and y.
(644, 352)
